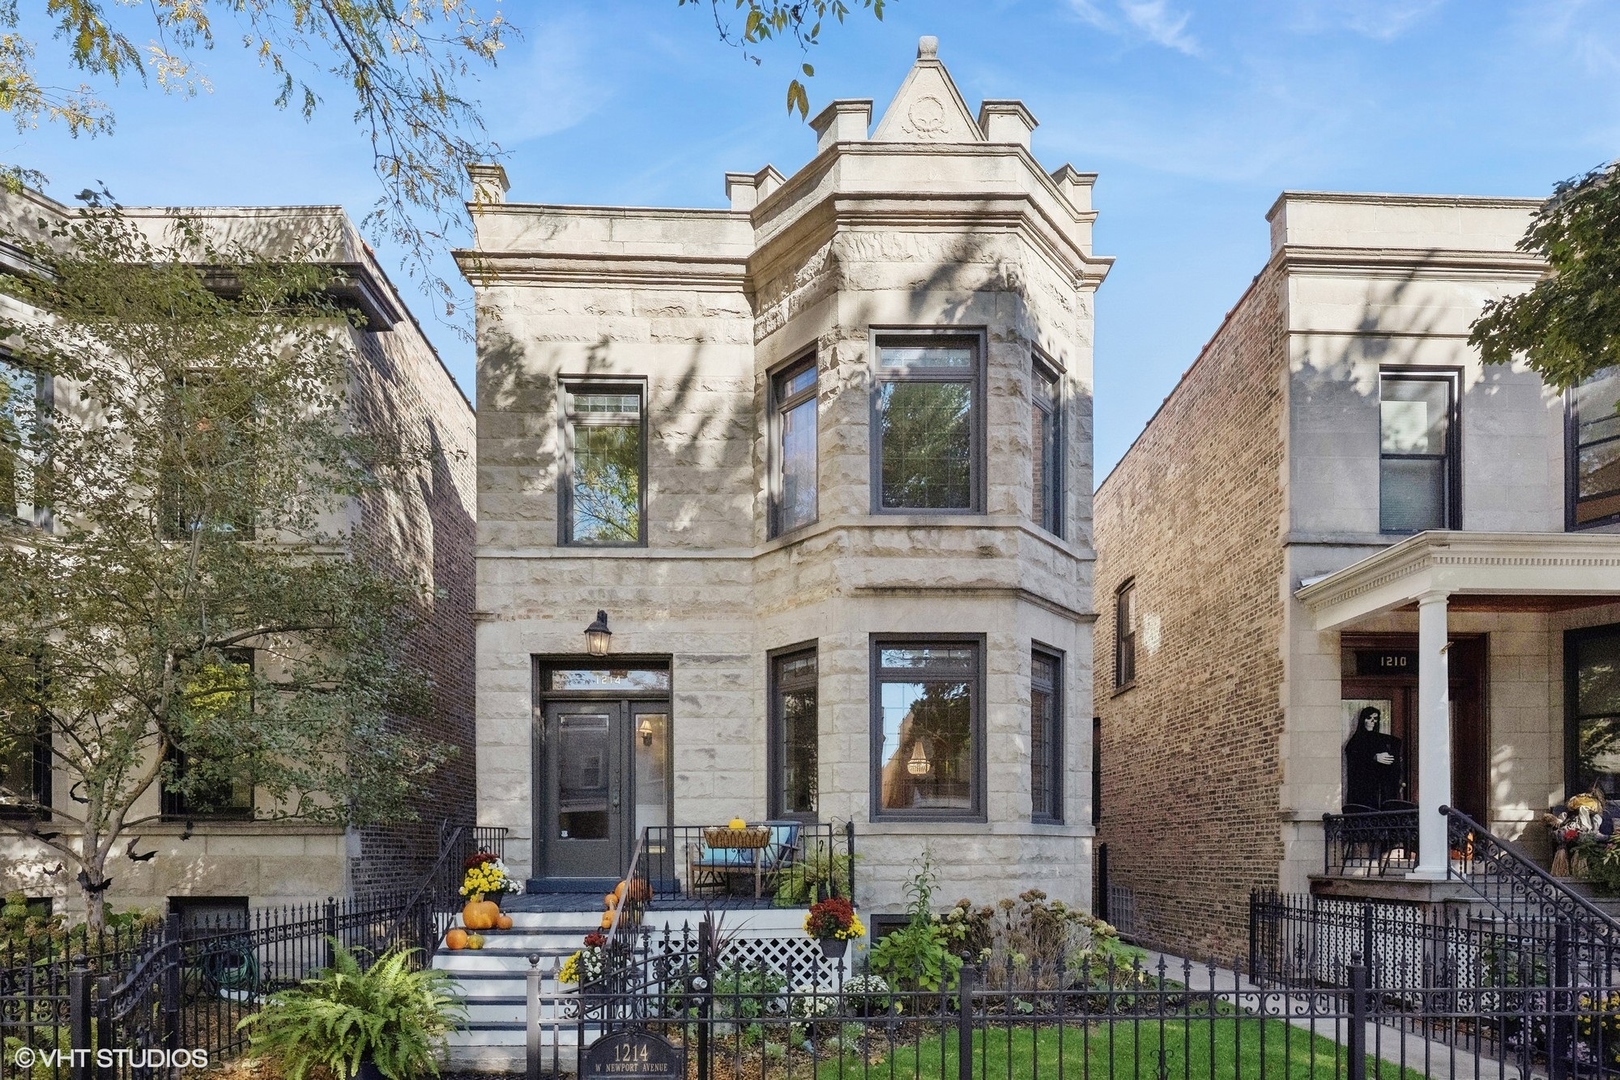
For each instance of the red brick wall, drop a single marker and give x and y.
(1190, 765)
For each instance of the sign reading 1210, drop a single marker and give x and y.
(634, 1055)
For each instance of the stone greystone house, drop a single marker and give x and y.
(824, 461)
(231, 859)
(1340, 508)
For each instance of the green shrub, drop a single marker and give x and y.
(918, 956)
(389, 1013)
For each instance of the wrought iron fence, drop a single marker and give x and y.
(1066, 1016)
(792, 863)
(1378, 843)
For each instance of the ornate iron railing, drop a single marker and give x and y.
(1376, 844)
(1515, 886)
(680, 865)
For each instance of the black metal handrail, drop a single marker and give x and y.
(1514, 885)
(1371, 844)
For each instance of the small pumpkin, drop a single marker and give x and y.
(503, 922)
(456, 938)
(607, 920)
(737, 823)
(475, 941)
(610, 899)
(640, 891)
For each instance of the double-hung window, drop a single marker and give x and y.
(1045, 736)
(604, 475)
(1417, 451)
(1593, 454)
(928, 728)
(200, 778)
(1046, 458)
(1125, 635)
(794, 739)
(1592, 709)
(25, 758)
(793, 471)
(927, 424)
(24, 394)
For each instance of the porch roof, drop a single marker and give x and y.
(1476, 570)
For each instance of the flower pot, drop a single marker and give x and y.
(834, 948)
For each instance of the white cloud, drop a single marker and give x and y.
(1154, 20)
(1161, 24)
(1381, 20)
(543, 83)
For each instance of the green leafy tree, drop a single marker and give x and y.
(1568, 326)
(798, 21)
(199, 464)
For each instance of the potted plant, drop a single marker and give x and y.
(485, 881)
(588, 964)
(384, 1022)
(834, 924)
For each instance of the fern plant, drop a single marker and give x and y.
(389, 1014)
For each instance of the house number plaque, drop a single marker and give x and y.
(634, 1055)
(1386, 662)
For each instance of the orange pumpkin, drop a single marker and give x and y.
(607, 920)
(503, 922)
(610, 899)
(480, 914)
(640, 891)
(456, 939)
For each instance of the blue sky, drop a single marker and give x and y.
(1196, 114)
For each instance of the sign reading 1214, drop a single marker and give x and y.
(634, 1055)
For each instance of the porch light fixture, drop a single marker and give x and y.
(919, 765)
(645, 731)
(597, 635)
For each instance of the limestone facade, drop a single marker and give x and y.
(426, 529)
(1260, 476)
(935, 223)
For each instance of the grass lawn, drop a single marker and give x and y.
(1133, 1052)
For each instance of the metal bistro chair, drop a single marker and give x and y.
(1402, 843)
(1358, 846)
(715, 866)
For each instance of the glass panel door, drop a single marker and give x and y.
(582, 824)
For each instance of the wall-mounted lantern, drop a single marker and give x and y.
(597, 635)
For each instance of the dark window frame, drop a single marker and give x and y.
(881, 338)
(1124, 635)
(1052, 499)
(175, 522)
(1572, 464)
(568, 385)
(1096, 771)
(40, 751)
(1452, 377)
(776, 734)
(1053, 741)
(779, 406)
(1574, 783)
(172, 804)
(977, 678)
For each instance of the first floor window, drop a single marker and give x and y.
(794, 738)
(1417, 455)
(604, 465)
(926, 422)
(25, 775)
(23, 397)
(928, 728)
(1594, 451)
(1592, 709)
(1045, 736)
(201, 780)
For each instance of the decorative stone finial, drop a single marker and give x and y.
(928, 47)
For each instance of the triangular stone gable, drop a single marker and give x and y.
(928, 107)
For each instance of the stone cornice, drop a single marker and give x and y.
(1366, 198)
(1466, 563)
(1409, 262)
(582, 270)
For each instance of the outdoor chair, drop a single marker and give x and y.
(1358, 846)
(1402, 845)
(711, 866)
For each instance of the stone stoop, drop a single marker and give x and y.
(493, 981)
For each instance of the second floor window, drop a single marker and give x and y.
(793, 479)
(1125, 635)
(208, 470)
(604, 465)
(23, 394)
(926, 424)
(1594, 451)
(1417, 451)
(1046, 469)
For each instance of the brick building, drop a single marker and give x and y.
(823, 459)
(234, 857)
(1338, 514)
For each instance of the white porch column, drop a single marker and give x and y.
(1434, 737)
